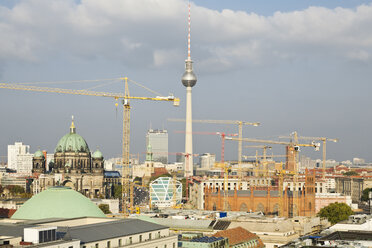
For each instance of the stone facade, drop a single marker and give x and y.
(74, 166)
(350, 185)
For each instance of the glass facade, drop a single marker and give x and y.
(162, 190)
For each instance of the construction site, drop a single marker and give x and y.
(271, 184)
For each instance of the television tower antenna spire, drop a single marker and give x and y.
(189, 36)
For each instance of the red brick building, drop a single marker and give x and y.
(268, 200)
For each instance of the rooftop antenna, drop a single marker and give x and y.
(189, 36)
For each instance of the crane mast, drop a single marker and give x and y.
(324, 141)
(295, 144)
(127, 186)
(240, 131)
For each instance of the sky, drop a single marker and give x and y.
(291, 65)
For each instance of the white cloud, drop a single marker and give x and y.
(154, 32)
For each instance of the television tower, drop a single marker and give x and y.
(188, 80)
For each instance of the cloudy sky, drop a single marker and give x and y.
(293, 65)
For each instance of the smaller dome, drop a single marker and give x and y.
(39, 154)
(97, 154)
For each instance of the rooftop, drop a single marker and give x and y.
(97, 228)
(236, 235)
(349, 235)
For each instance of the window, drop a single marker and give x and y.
(158, 235)
(130, 240)
(120, 244)
(149, 236)
(108, 244)
(97, 245)
(140, 238)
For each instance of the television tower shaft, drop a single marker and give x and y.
(188, 80)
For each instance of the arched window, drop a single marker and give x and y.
(243, 207)
(260, 207)
(276, 208)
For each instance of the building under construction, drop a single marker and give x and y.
(269, 200)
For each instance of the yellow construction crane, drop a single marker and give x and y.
(126, 195)
(226, 168)
(233, 122)
(294, 143)
(281, 175)
(174, 194)
(324, 140)
(264, 162)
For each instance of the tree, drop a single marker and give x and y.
(15, 189)
(105, 208)
(117, 191)
(365, 194)
(351, 173)
(162, 175)
(336, 212)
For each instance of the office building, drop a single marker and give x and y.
(207, 160)
(158, 140)
(19, 158)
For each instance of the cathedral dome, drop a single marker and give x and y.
(57, 202)
(39, 154)
(97, 154)
(72, 142)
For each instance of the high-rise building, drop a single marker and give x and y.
(158, 141)
(188, 80)
(358, 161)
(207, 160)
(19, 157)
(180, 158)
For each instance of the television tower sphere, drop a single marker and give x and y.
(189, 78)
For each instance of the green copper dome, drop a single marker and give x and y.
(72, 142)
(97, 154)
(57, 202)
(39, 154)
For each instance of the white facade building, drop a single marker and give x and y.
(207, 160)
(320, 186)
(196, 192)
(158, 139)
(24, 164)
(355, 223)
(358, 161)
(13, 151)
